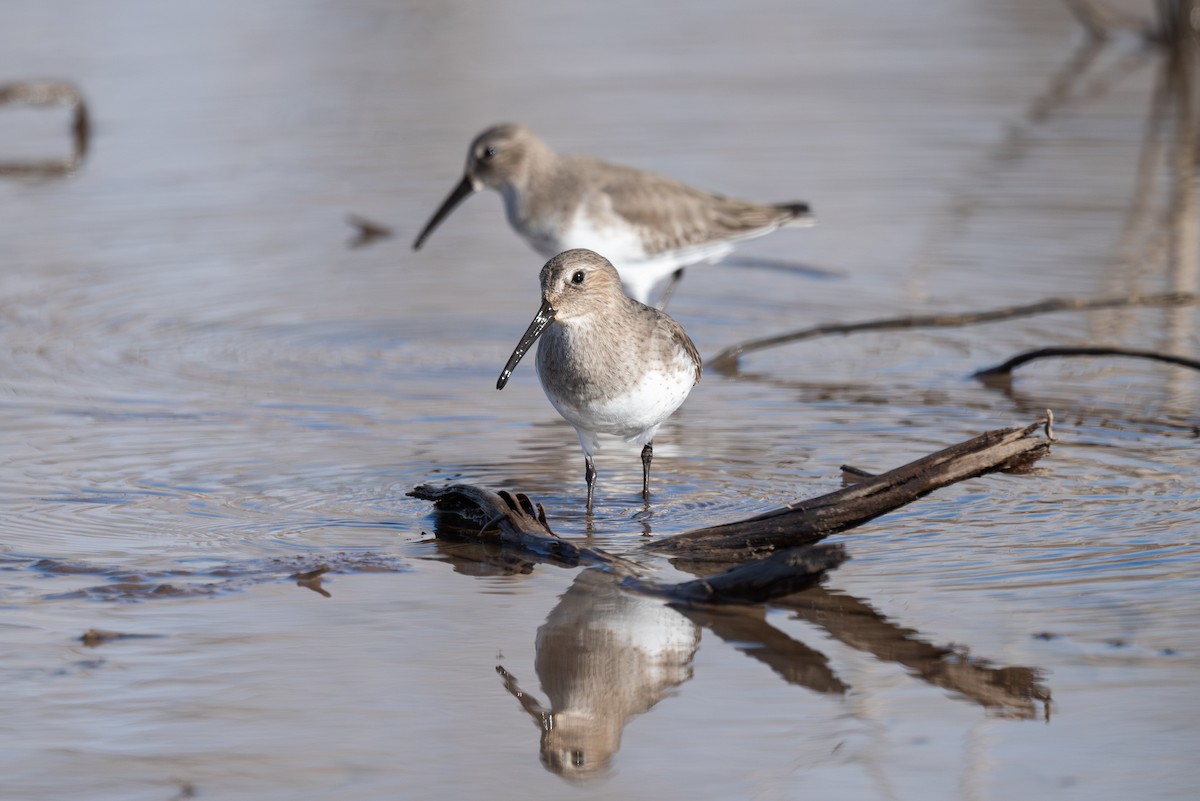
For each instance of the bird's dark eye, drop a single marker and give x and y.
(577, 278)
(490, 152)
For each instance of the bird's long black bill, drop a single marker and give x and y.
(464, 188)
(544, 317)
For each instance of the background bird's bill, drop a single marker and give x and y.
(460, 192)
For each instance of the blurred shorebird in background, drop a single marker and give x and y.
(650, 226)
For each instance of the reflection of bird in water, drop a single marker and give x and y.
(603, 656)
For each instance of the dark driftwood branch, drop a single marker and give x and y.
(469, 513)
(727, 360)
(812, 520)
(773, 543)
(1005, 369)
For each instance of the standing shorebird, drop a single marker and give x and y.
(649, 225)
(608, 363)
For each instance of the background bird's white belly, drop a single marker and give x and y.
(610, 236)
(622, 244)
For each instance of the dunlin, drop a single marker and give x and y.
(649, 225)
(608, 363)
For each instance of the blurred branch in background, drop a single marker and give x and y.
(1178, 19)
(1170, 149)
(726, 362)
(1101, 26)
(1099, 21)
(49, 93)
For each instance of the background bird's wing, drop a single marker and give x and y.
(671, 216)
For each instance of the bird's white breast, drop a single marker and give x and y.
(633, 412)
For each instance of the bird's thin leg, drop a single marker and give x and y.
(676, 277)
(647, 454)
(589, 475)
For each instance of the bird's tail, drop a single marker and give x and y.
(802, 214)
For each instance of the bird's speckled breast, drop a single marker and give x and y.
(621, 383)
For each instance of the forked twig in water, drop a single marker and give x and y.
(1007, 367)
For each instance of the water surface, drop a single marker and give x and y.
(204, 390)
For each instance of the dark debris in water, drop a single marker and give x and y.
(94, 637)
(39, 93)
(122, 583)
(80, 666)
(367, 231)
(186, 790)
(1128, 648)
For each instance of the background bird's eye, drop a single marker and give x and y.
(490, 152)
(577, 278)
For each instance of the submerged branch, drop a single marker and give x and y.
(786, 572)
(727, 360)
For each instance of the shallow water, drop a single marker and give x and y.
(204, 390)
